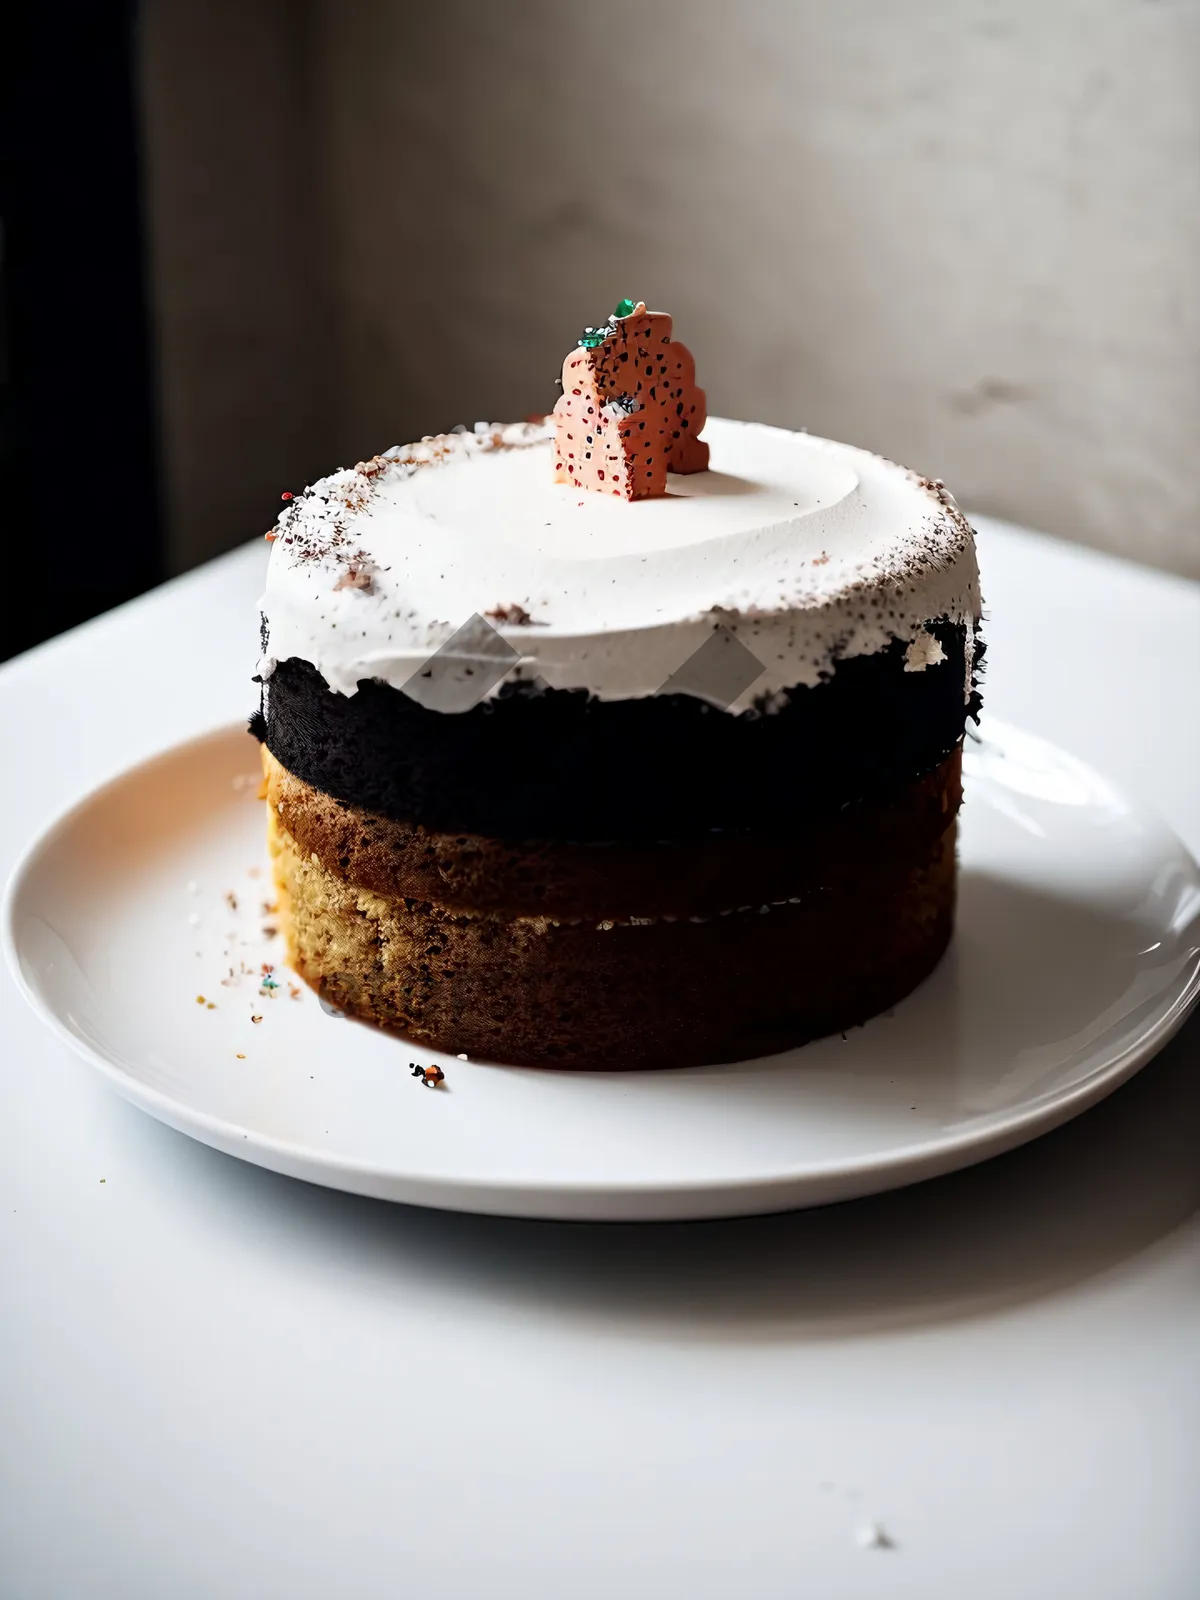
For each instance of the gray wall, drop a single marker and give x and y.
(229, 180)
(965, 234)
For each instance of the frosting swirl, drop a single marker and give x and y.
(803, 550)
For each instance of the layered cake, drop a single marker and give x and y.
(591, 742)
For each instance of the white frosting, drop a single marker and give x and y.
(924, 651)
(804, 550)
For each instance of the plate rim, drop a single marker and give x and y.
(778, 1190)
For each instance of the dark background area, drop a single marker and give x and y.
(247, 241)
(82, 529)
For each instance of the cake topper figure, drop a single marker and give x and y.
(630, 411)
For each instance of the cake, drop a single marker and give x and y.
(655, 768)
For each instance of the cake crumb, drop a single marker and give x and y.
(429, 1076)
(200, 1000)
(513, 614)
(873, 1536)
(355, 578)
(240, 1056)
(231, 900)
(255, 1019)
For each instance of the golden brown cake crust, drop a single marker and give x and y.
(609, 992)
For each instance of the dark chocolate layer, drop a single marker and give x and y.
(560, 764)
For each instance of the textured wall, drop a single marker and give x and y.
(229, 174)
(963, 232)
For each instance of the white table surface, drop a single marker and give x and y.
(219, 1383)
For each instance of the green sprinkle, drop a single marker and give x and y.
(625, 308)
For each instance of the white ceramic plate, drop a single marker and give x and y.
(1076, 957)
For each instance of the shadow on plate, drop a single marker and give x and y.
(1068, 1207)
